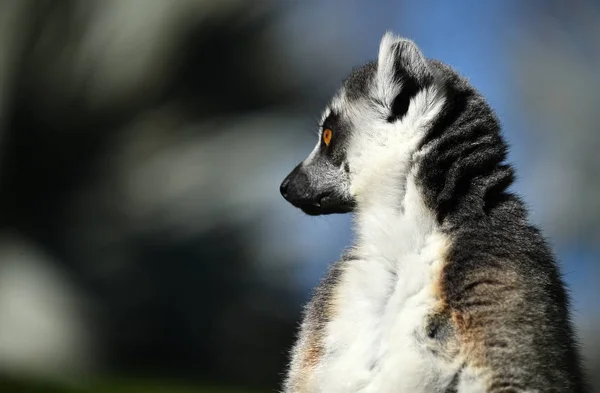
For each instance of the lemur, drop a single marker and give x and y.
(449, 287)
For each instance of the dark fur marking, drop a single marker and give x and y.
(438, 327)
(374, 364)
(481, 282)
(506, 386)
(410, 88)
(439, 335)
(453, 386)
(357, 84)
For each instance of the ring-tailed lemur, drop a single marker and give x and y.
(448, 288)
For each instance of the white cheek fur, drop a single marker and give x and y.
(381, 151)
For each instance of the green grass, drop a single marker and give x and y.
(113, 386)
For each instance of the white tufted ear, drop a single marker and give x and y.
(399, 57)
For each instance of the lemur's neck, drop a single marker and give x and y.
(445, 167)
(457, 179)
(393, 221)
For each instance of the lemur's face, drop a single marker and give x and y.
(367, 132)
(321, 183)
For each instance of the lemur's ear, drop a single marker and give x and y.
(400, 57)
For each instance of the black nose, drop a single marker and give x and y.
(283, 188)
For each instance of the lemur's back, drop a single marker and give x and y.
(448, 288)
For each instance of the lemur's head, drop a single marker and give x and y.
(368, 132)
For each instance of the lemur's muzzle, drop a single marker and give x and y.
(296, 189)
(307, 194)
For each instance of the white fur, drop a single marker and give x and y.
(382, 304)
(386, 86)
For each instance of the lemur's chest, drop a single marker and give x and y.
(377, 340)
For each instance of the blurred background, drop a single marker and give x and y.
(144, 245)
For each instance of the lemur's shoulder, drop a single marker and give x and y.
(507, 300)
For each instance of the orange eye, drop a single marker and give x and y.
(327, 133)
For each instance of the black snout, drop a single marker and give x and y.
(283, 187)
(309, 195)
(295, 186)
